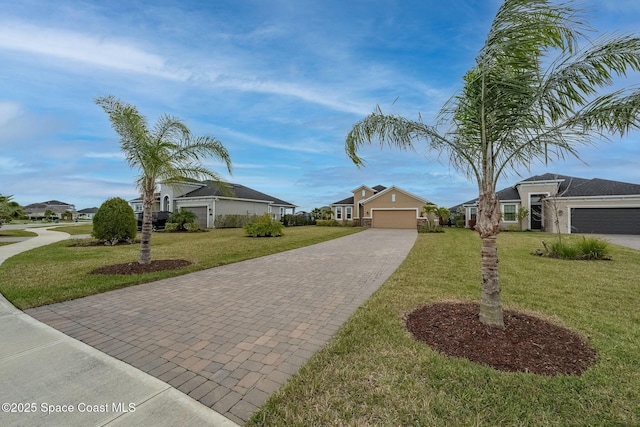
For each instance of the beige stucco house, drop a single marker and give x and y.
(568, 205)
(208, 202)
(380, 207)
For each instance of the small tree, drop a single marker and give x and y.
(114, 222)
(430, 212)
(181, 218)
(167, 153)
(264, 226)
(443, 214)
(521, 215)
(49, 214)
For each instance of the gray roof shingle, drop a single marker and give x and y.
(572, 186)
(237, 190)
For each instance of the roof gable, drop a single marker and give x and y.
(394, 188)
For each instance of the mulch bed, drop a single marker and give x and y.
(527, 344)
(136, 268)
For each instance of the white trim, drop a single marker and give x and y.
(502, 205)
(200, 205)
(530, 216)
(621, 196)
(542, 182)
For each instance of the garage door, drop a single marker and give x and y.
(605, 220)
(201, 213)
(394, 219)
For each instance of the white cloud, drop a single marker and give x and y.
(85, 48)
(304, 147)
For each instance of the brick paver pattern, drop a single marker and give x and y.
(232, 335)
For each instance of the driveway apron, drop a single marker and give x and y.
(232, 335)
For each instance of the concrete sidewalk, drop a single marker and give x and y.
(49, 378)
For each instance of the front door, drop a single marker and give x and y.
(536, 217)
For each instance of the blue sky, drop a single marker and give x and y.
(279, 82)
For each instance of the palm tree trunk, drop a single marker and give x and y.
(488, 228)
(147, 224)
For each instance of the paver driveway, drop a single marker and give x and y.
(231, 335)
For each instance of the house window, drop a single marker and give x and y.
(363, 193)
(281, 212)
(509, 213)
(339, 212)
(393, 197)
(349, 212)
(473, 212)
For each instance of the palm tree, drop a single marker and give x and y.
(431, 212)
(9, 209)
(165, 153)
(520, 105)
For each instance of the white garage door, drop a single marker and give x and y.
(394, 219)
(201, 213)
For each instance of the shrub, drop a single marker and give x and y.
(170, 227)
(327, 223)
(264, 226)
(114, 222)
(587, 248)
(191, 226)
(182, 217)
(564, 250)
(290, 220)
(425, 228)
(592, 248)
(234, 221)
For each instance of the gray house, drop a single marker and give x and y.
(208, 201)
(568, 204)
(37, 210)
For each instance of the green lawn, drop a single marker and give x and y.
(17, 233)
(373, 373)
(82, 228)
(58, 272)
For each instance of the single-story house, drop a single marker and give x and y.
(38, 210)
(208, 201)
(87, 213)
(381, 207)
(569, 205)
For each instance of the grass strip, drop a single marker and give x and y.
(59, 272)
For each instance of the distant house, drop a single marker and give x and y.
(87, 213)
(380, 207)
(568, 204)
(38, 210)
(208, 201)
